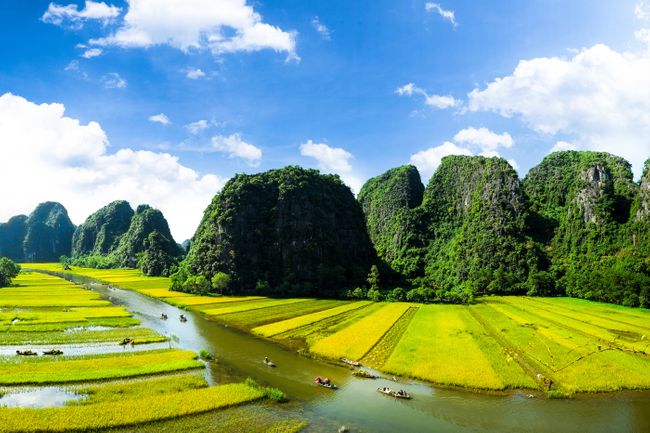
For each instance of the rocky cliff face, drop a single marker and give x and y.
(148, 229)
(12, 234)
(579, 194)
(293, 230)
(101, 232)
(476, 213)
(388, 202)
(48, 233)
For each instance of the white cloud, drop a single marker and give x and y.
(92, 52)
(113, 80)
(561, 146)
(235, 147)
(194, 74)
(54, 157)
(446, 14)
(436, 101)
(599, 99)
(642, 11)
(643, 36)
(427, 161)
(321, 28)
(489, 142)
(71, 16)
(198, 126)
(334, 159)
(160, 118)
(514, 164)
(219, 25)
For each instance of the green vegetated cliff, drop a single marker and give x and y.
(591, 219)
(101, 232)
(389, 202)
(116, 236)
(43, 236)
(289, 231)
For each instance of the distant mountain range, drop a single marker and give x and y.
(577, 224)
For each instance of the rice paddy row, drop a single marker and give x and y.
(119, 389)
(499, 343)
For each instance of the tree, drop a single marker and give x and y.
(8, 271)
(373, 278)
(220, 282)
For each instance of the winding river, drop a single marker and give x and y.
(356, 403)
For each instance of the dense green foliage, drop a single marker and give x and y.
(100, 233)
(148, 243)
(49, 233)
(591, 219)
(12, 234)
(8, 271)
(388, 201)
(288, 231)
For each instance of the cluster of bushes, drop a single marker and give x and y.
(8, 271)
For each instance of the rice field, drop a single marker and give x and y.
(499, 343)
(118, 389)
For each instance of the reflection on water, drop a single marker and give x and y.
(42, 396)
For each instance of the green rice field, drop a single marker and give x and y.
(498, 343)
(123, 389)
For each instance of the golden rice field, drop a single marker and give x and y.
(498, 343)
(115, 390)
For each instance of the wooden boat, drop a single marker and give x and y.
(163, 316)
(364, 374)
(126, 341)
(183, 318)
(403, 394)
(268, 362)
(324, 384)
(351, 362)
(385, 390)
(26, 353)
(53, 352)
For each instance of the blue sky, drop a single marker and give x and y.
(162, 102)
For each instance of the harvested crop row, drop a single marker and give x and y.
(15, 371)
(356, 340)
(307, 319)
(127, 411)
(379, 354)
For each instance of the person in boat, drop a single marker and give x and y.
(183, 318)
(326, 381)
(266, 359)
(318, 379)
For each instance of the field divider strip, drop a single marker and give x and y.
(387, 331)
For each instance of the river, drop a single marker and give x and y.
(358, 405)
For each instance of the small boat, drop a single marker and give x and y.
(26, 353)
(364, 374)
(53, 352)
(325, 383)
(402, 394)
(126, 341)
(163, 316)
(351, 362)
(268, 362)
(385, 390)
(183, 318)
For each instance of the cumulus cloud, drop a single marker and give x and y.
(599, 99)
(196, 127)
(446, 14)
(436, 101)
(642, 11)
(235, 147)
(219, 25)
(194, 73)
(113, 80)
(561, 146)
(71, 16)
(92, 52)
(160, 118)
(54, 157)
(487, 141)
(333, 160)
(427, 161)
(321, 28)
